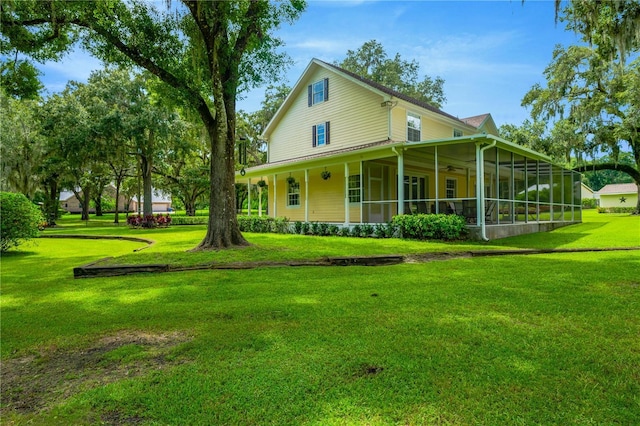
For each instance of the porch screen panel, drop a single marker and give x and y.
(577, 196)
(505, 189)
(520, 188)
(567, 193)
(532, 189)
(557, 194)
(491, 185)
(544, 191)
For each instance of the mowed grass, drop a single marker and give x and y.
(537, 339)
(173, 244)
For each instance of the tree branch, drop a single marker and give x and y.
(635, 174)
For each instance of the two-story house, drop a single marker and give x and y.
(344, 149)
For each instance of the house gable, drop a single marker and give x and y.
(357, 111)
(351, 115)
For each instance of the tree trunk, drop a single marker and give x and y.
(222, 230)
(116, 218)
(146, 164)
(189, 207)
(98, 202)
(51, 202)
(84, 200)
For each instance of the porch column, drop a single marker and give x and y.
(259, 201)
(435, 162)
(275, 196)
(249, 197)
(361, 190)
(479, 186)
(346, 193)
(306, 195)
(400, 155)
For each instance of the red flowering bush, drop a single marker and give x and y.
(149, 221)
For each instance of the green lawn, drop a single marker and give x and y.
(538, 339)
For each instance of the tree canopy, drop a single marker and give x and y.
(591, 93)
(371, 61)
(206, 51)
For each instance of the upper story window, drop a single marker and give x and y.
(318, 92)
(413, 127)
(320, 134)
(457, 133)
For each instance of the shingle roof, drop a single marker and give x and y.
(392, 92)
(618, 188)
(323, 154)
(475, 121)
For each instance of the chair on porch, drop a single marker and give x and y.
(407, 208)
(422, 207)
(488, 211)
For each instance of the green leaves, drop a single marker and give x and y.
(371, 61)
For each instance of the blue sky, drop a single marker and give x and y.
(489, 53)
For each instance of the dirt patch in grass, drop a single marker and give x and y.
(35, 383)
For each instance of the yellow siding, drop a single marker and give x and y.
(326, 197)
(431, 128)
(354, 113)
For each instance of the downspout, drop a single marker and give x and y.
(480, 187)
(400, 188)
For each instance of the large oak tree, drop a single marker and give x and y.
(591, 91)
(206, 51)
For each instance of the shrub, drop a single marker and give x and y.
(148, 221)
(616, 209)
(20, 220)
(345, 231)
(589, 203)
(306, 228)
(430, 226)
(264, 224)
(189, 220)
(366, 230)
(297, 227)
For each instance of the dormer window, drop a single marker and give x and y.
(318, 92)
(457, 133)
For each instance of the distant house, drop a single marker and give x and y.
(587, 192)
(618, 195)
(344, 149)
(161, 202)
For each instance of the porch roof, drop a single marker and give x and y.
(332, 157)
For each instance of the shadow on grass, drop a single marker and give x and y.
(445, 341)
(554, 239)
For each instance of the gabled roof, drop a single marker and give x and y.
(477, 120)
(618, 188)
(389, 92)
(364, 82)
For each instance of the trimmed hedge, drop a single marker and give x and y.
(20, 220)
(189, 220)
(421, 227)
(431, 226)
(616, 209)
(264, 224)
